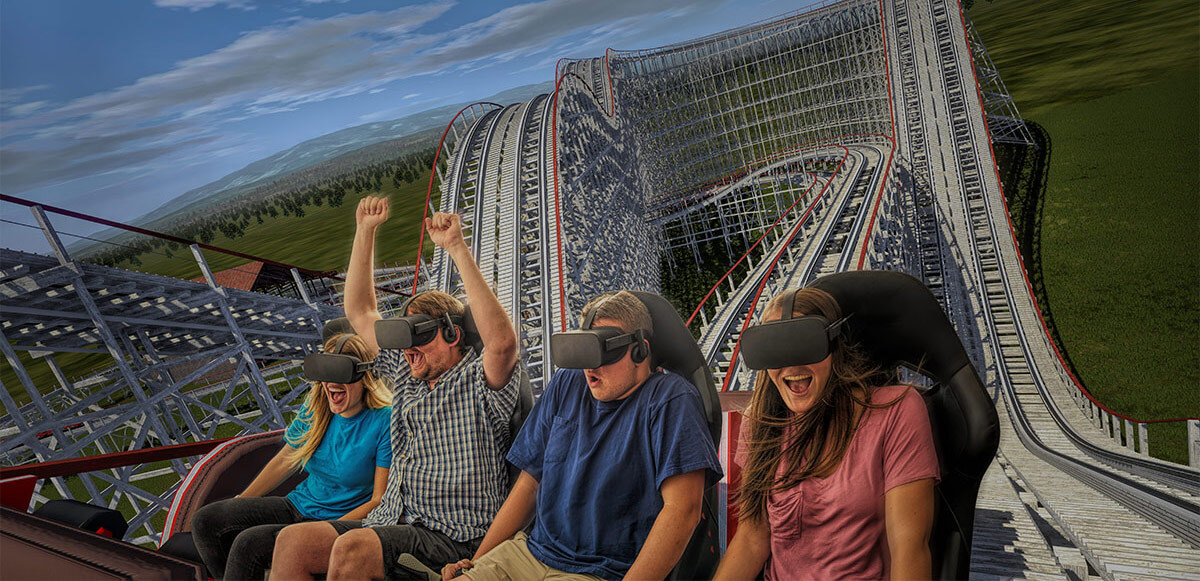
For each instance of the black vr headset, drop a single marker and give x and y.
(595, 347)
(335, 367)
(789, 341)
(416, 329)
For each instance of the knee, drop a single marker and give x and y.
(208, 519)
(294, 538)
(351, 548)
(253, 540)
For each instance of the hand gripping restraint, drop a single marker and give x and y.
(594, 347)
(789, 341)
(335, 367)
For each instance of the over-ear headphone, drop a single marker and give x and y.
(449, 330)
(639, 351)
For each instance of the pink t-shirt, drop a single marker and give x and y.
(833, 528)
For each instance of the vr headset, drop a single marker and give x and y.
(789, 341)
(335, 367)
(416, 329)
(594, 347)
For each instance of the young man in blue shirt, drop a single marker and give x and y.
(614, 462)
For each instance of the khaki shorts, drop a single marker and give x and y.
(512, 561)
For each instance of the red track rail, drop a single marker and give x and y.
(106, 461)
(429, 192)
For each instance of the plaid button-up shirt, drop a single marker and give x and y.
(448, 470)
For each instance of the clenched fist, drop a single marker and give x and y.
(445, 230)
(372, 212)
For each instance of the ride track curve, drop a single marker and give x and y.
(950, 122)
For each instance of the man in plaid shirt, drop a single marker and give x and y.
(450, 426)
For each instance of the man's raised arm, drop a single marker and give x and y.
(361, 307)
(496, 330)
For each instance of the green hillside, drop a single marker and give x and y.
(1116, 87)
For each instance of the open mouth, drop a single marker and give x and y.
(593, 380)
(798, 384)
(415, 358)
(337, 395)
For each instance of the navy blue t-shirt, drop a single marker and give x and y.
(599, 467)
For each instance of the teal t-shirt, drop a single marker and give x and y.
(341, 473)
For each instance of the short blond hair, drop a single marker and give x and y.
(435, 304)
(620, 306)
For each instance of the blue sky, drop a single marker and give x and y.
(113, 107)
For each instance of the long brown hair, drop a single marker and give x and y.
(811, 443)
(376, 394)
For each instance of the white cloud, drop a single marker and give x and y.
(194, 5)
(284, 67)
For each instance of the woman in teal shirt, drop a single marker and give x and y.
(341, 437)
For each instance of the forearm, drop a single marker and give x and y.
(270, 476)
(360, 512)
(665, 543)
(493, 323)
(747, 553)
(912, 562)
(513, 515)
(361, 306)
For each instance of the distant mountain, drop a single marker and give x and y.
(324, 148)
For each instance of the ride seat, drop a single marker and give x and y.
(673, 347)
(898, 322)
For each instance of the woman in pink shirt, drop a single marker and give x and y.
(838, 466)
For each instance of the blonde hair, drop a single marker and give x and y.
(376, 394)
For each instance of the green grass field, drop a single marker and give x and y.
(320, 240)
(1116, 86)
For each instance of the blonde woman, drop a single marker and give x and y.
(341, 437)
(838, 464)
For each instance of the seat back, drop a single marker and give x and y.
(225, 471)
(673, 347)
(517, 419)
(524, 390)
(897, 321)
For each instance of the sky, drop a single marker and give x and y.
(113, 107)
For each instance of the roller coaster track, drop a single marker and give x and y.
(1134, 516)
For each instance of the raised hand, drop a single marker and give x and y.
(445, 230)
(372, 212)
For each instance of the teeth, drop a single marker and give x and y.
(797, 377)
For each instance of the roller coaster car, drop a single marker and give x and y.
(898, 322)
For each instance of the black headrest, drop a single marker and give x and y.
(334, 327)
(673, 347)
(896, 320)
(471, 330)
